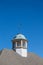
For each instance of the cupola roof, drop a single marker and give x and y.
(20, 36)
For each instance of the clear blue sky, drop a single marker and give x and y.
(29, 13)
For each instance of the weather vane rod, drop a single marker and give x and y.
(19, 28)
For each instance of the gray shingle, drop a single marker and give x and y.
(10, 57)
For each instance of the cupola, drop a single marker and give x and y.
(19, 44)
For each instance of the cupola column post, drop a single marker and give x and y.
(26, 43)
(16, 44)
(21, 43)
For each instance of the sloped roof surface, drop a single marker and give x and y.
(10, 57)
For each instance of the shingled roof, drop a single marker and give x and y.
(10, 57)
